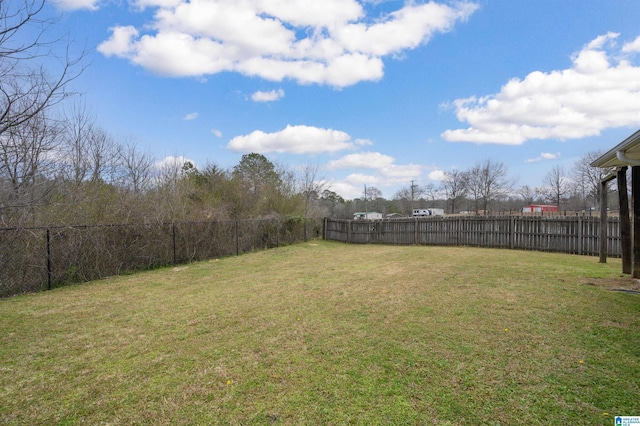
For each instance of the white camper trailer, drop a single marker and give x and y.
(367, 216)
(427, 212)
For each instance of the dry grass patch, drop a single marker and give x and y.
(614, 283)
(329, 333)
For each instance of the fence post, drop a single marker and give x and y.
(324, 228)
(625, 222)
(580, 233)
(173, 236)
(237, 238)
(48, 259)
(512, 230)
(603, 222)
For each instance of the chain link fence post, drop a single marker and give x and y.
(48, 258)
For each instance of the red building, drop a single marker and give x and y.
(539, 208)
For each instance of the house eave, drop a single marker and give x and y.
(626, 153)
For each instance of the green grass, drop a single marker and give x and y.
(327, 333)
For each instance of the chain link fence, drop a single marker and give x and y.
(42, 258)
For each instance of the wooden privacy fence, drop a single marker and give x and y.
(574, 235)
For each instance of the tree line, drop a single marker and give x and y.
(58, 166)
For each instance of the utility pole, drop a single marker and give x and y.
(412, 196)
(366, 203)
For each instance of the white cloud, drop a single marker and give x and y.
(120, 42)
(363, 142)
(400, 174)
(313, 13)
(293, 139)
(360, 179)
(632, 47)
(270, 96)
(384, 170)
(364, 160)
(330, 42)
(173, 163)
(77, 4)
(191, 116)
(544, 156)
(598, 92)
(437, 175)
(143, 4)
(406, 28)
(216, 132)
(345, 189)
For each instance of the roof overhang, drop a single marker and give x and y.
(626, 153)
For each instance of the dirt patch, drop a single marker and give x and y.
(625, 283)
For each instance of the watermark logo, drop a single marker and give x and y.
(627, 421)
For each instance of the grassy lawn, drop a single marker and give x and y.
(328, 333)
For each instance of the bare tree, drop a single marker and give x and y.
(404, 200)
(311, 187)
(171, 170)
(87, 149)
(529, 195)
(27, 87)
(488, 181)
(371, 193)
(136, 168)
(373, 200)
(282, 197)
(558, 185)
(103, 156)
(587, 178)
(27, 166)
(431, 192)
(172, 188)
(455, 186)
(33, 80)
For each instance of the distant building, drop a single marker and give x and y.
(367, 216)
(427, 212)
(539, 208)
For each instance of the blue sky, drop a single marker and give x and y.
(375, 92)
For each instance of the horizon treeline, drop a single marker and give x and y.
(69, 171)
